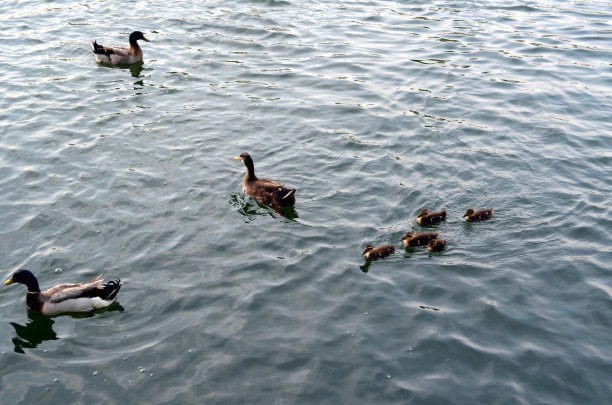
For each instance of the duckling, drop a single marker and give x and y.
(478, 215)
(431, 218)
(372, 252)
(418, 239)
(436, 245)
(80, 297)
(267, 192)
(120, 55)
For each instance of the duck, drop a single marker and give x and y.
(79, 297)
(431, 218)
(412, 239)
(436, 245)
(120, 55)
(372, 252)
(472, 215)
(265, 191)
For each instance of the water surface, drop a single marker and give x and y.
(373, 110)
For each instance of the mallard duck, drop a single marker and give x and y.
(412, 239)
(478, 215)
(372, 252)
(267, 192)
(120, 55)
(436, 245)
(431, 218)
(80, 297)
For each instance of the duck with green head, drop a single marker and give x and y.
(79, 297)
(120, 55)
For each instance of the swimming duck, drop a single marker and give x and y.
(478, 215)
(436, 245)
(431, 218)
(372, 252)
(267, 192)
(120, 55)
(412, 239)
(80, 297)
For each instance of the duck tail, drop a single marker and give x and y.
(443, 212)
(110, 290)
(97, 48)
(289, 194)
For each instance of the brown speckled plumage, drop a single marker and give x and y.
(267, 192)
(472, 215)
(431, 218)
(372, 252)
(412, 239)
(436, 245)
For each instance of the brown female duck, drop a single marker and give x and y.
(436, 245)
(431, 218)
(372, 252)
(267, 192)
(472, 215)
(412, 239)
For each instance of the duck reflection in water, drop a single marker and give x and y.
(136, 68)
(36, 331)
(251, 208)
(40, 327)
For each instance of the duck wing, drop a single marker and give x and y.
(109, 52)
(91, 289)
(270, 192)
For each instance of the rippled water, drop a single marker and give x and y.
(373, 110)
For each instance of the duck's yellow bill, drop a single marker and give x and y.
(143, 37)
(237, 158)
(8, 282)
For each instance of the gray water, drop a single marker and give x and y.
(373, 110)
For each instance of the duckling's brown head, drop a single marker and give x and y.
(407, 237)
(468, 212)
(366, 249)
(436, 245)
(424, 213)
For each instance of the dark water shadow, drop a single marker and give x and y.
(135, 68)
(40, 327)
(251, 208)
(366, 266)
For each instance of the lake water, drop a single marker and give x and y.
(373, 110)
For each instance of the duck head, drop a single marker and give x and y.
(468, 212)
(366, 249)
(26, 277)
(136, 35)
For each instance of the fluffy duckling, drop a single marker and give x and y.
(431, 218)
(436, 245)
(120, 55)
(372, 252)
(80, 297)
(478, 215)
(412, 239)
(267, 192)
